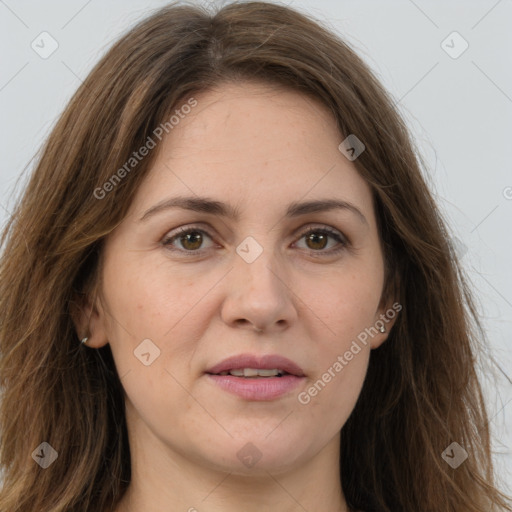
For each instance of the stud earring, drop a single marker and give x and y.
(382, 329)
(84, 340)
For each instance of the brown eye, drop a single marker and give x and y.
(191, 240)
(317, 240)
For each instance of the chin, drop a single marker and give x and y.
(258, 453)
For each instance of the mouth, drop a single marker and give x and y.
(251, 366)
(256, 377)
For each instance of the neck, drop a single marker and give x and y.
(164, 480)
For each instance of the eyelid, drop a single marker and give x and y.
(175, 234)
(339, 236)
(323, 227)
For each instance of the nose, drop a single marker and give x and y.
(259, 295)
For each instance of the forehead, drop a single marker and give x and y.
(257, 144)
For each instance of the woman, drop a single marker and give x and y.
(227, 286)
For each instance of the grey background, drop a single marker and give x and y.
(458, 109)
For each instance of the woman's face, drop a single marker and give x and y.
(254, 286)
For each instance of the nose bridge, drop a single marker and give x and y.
(259, 294)
(258, 262)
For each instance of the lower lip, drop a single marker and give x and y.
(263, 388)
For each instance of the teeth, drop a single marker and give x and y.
(254, 372)
(268, 373)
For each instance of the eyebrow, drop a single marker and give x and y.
(214, 207)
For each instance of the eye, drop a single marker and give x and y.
(190, 239)
(317, 239)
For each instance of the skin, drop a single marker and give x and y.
(257, 148)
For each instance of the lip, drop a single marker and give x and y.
(257, 389)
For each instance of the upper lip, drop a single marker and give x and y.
(269, 361)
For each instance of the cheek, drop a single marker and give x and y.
(346, 304)
(157, 311)
(151, 300)
(334, 388)
(341, 378)
(346, 308)
(152, 312)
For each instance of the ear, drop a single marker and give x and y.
(89, 318)
(388, 310)
(385, 319)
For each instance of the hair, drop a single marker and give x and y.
(422, 390)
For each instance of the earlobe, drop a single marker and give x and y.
(384, 322)
(378, 340)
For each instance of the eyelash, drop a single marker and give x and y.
(341, 239)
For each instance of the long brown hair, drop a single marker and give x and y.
(421, 392)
